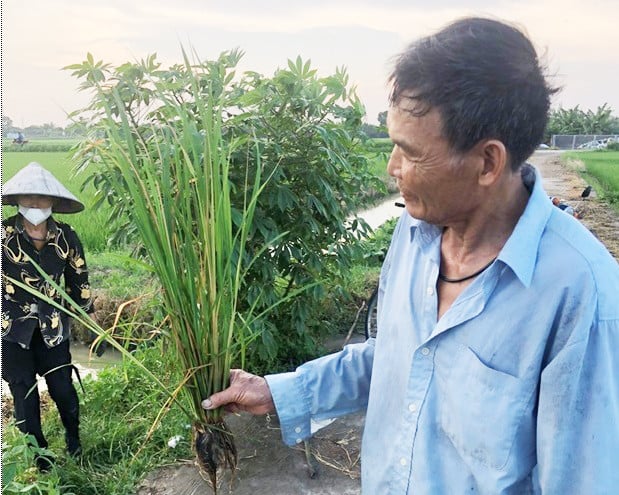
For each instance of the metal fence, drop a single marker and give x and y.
(574, 141)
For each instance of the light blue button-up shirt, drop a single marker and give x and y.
(515, 390)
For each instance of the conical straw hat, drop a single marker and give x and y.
(34, 179)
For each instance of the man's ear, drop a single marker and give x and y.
(494, 157)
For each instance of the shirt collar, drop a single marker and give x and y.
(520, 250)
(427, 232)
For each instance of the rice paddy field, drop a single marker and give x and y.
(603, 166)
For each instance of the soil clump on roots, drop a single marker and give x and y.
(215, 451)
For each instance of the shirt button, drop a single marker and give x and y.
(403, 461)
(412, 407)
(425, 351)
(299, 440)
(297, 429)
(430, 291)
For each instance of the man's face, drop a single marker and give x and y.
(437, 185)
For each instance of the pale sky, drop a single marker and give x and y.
(580, 40)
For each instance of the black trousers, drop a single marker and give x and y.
(19, 369)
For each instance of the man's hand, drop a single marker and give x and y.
(247, 392)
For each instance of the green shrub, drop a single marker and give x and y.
(19, 472)
(308, 133)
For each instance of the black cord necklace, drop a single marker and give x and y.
(468, 277)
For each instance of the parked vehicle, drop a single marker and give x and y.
(597, 144)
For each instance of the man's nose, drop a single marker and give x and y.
(393, 165)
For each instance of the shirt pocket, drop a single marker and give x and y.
(481, 408)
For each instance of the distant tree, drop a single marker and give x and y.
(382, 119)
(7, 125)
(600, 121)
(48, 130)
(373, 131)
(577, 121)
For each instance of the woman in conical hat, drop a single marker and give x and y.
(35, 334)
(34, 180)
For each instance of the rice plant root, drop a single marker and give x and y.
(215, 450)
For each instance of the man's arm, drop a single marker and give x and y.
(326, 387)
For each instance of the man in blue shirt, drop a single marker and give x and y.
(496, 366)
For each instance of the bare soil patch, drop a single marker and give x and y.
(268, 467)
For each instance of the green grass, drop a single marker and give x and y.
(57, 163)
(90, 224)
(118, 274)
(378, 165)
(602, 169)
(117, 411)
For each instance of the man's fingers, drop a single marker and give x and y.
(247, 392)
(217, 400)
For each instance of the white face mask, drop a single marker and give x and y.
(35, 216)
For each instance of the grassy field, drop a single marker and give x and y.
(58, 163)
(89, 223)
(603, 167)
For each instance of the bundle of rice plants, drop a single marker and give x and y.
(176, 177)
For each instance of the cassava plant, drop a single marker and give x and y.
(309, 131)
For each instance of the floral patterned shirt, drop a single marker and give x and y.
(62, 255)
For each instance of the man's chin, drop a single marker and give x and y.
(411, 210)
(409, 205)
(414, 210)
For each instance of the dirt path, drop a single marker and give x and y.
(562, 180)
(267, 467)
